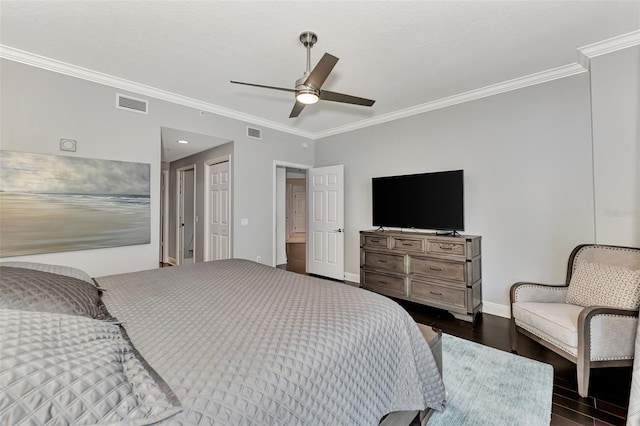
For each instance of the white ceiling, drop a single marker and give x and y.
(401, 53)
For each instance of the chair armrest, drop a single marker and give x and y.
(607, 333)
(534, 292)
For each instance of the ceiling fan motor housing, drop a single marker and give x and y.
(312, 94)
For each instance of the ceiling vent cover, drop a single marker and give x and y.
(254, 133)
(132, 104)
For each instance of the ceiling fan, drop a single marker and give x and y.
(308, 87)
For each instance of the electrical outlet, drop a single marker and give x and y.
(258, 259)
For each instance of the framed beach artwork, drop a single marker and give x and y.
(53, 203)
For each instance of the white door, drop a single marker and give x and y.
(218, 212)
(325, 233)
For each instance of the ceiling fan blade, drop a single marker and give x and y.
(326, 95)
(265, 87)
(321, 71)
(297, 109)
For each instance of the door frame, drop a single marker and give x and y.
(207, 210)
(179, 197)
(276, 164)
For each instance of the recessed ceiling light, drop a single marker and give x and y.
(183, 141)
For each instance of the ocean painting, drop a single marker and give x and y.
(52, 203)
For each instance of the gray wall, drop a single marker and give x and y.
(39, 107)
(615, 83)
(198, 160)
(538, 181)
(256, 174)
(528, 176)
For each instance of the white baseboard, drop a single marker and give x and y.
(172, 261)
(496, 309)
(355, 278)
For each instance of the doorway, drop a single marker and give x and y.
(290, 216)
(296, 220)
(164, 217)
(186, 214)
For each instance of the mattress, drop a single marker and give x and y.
(241, 343)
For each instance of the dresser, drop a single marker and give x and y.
(435, 270)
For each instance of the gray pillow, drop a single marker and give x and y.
(54, 269)
(64, 369)
(32, 290)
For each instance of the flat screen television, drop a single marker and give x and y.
(424, 201)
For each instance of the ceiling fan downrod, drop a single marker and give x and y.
(308, 39)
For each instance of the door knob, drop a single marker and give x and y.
(338, 230)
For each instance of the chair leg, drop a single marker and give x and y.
(514, 337)
(584, 370)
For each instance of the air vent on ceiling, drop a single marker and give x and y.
(254, 133)
(131, 104)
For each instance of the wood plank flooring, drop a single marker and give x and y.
(609, 389)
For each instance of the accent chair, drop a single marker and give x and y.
(592, 318)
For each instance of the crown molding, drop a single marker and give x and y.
(611, 45)
(506, 86)
(28, 58)
(585, 53)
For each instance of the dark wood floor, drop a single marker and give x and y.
(609, 389)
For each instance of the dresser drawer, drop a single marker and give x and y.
(429, 292)
(408, 244)
(391, 262)
(446, 248)
(437, 268)
(376, 241)
(383, 283)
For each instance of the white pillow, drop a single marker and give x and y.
(597, 284)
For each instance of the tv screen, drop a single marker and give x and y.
(425, 201)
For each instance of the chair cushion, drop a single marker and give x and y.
(598, 284)
(554, 322)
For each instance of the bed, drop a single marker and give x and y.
(227, 342)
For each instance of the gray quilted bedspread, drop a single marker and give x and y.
(245, 344)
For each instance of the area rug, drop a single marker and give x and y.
(486, 386)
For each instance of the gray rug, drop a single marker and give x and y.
(486, 386)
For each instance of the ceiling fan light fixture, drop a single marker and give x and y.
(307, 97)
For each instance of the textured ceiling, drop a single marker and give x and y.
(402, 54)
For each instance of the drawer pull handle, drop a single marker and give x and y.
(382, 261)
(407, 244)
(374, 241)
(435, 293)
(382, 282)
(435, 268)
(446, 247)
